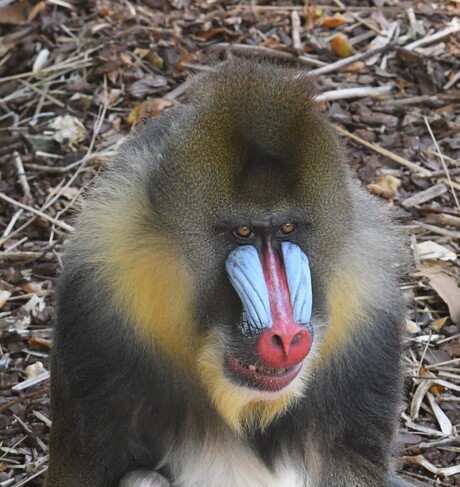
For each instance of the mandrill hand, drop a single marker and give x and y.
(144, 478)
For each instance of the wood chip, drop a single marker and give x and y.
(426, 195)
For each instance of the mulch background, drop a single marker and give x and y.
(76, 76)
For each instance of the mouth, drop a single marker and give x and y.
(262, 377)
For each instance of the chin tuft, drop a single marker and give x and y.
(242, 408)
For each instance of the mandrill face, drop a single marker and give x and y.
(260, 252)
(259, 289)
(255, 350)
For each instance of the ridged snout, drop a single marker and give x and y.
(275, 290)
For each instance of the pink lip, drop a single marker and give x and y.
(260, 380)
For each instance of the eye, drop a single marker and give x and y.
(287, 228)
(244, 231)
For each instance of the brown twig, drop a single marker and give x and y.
(351, 59)
(52, 220)
(24, 397)
(22, 178)
(437, 36)
(438, 150)
(384, 152)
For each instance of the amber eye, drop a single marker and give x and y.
(244, 232)
(287, 228)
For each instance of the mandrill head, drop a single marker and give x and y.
(256, 197)
(248, 211)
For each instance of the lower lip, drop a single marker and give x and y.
(259, 380)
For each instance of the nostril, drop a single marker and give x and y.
(277, 341)
(297, 339)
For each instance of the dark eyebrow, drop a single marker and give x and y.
(269, 219)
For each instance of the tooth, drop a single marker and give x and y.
(252, 367)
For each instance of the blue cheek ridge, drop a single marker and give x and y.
(246, 275)
(299, 281)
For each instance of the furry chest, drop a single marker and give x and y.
(231, 464)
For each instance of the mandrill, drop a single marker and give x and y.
(228, 311)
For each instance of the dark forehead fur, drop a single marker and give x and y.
(263, 136)
(259, 101)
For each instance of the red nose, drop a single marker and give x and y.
(284, 348)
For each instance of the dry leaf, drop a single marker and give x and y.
(4, 296)
(421, 461)
(151, 56)
(35, 304)
(40, 222)
(310, 14)
(437, 390)
(113, 76)
(438, 325)
(114, 95)
(357, 67)
(141, 52)
(34, 370)
(444, 422)
(147, 109)
(68, 129)
(147, 86)
(418, 397)
(333, 22)
(385, 186)
(36, 11)
(40, 342)
(430, 250)
(447, 288)
(341, 46)
(452, 348)
(184, 58)
(71, 193)
(14, 13)
(31, 287)
(155, 60)
(412, 327)
(41, 60)
(449, 471)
